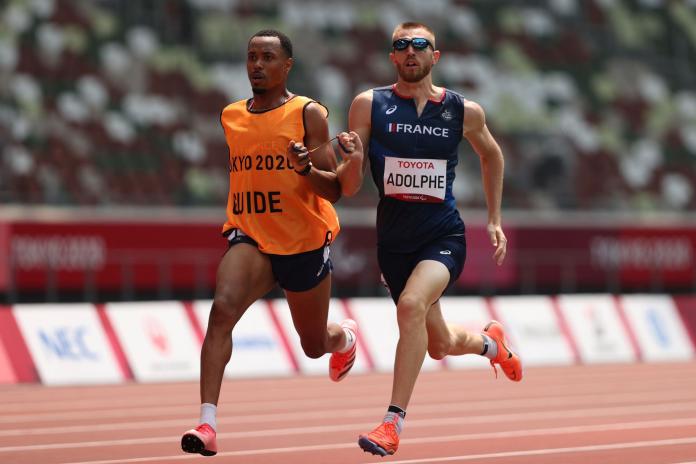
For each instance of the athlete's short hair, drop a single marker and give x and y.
(413, 25)
(285, 43)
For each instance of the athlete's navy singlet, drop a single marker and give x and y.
(412, 159)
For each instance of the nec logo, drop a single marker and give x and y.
(68, 343)
(394, 127)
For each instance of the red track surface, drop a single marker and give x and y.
(632, 414)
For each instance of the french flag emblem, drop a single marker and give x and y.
(391, 127)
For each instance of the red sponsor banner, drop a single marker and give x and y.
(149, 256)
(71, 256)
(559, 256)
(480, 268)
(182, 256)
(614, 258)
(655, 256)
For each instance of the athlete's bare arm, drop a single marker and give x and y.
(322, 178)
(351, 172)
(492, 167)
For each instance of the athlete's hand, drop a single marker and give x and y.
(350, 146)
(497, 236)
(298, 155)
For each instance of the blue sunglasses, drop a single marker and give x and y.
(418, 43)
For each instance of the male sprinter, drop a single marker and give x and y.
(280, 223)
(414, 129)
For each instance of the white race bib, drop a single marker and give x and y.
(419, 180)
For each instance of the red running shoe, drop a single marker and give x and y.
(200, 440)
(341, 363)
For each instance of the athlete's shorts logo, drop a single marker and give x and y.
(391, 109)
(327, 251)
(445, 252)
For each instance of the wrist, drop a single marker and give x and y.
(306, 170)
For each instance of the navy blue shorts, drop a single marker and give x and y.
(295, 273)
(397, 267)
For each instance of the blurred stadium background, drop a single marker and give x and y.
(113, 183)
(113, 175)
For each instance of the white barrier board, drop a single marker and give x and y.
(157, 339)
(68, 343)
(658, 328)
(596, 327)
(534, 330)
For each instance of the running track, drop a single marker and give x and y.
(628, 414)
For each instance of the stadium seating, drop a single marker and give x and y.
(593, 102)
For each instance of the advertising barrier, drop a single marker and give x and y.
(159, 341)
(67, 343)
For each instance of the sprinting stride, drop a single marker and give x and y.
(280, 223)
(414, 129)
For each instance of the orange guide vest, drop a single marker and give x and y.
(267, 200)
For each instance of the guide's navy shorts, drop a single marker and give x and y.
(297, 273)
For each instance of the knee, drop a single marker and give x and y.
(226, 312)
(410, 311)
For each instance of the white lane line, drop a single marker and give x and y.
(266, 419)
(637, 425)
(45, 397)
(463, 405)
(467, 457)
(119, 399)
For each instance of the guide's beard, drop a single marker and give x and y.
(257, 91)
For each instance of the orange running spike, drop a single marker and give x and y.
(341, 363)
(383, 440)
(508, 361)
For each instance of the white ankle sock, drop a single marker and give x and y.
(390, 416)
(350, 340)
(208, 413)
(490, 347)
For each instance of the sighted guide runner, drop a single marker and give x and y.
(280, 223)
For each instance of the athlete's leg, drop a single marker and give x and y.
(310, 310)
(244, 275)
(424, 286)
(449, 339)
